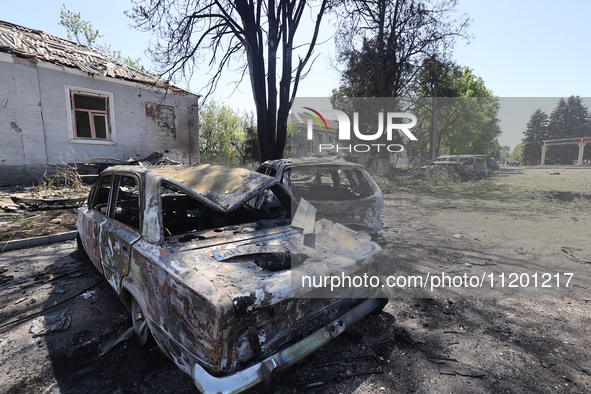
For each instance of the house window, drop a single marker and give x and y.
(90, 116)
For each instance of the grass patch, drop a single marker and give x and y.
(542, 193)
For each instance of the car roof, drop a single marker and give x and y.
(312, 160)
(224, 186)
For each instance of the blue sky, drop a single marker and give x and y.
(520, 48)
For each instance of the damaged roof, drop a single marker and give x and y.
(36, 45)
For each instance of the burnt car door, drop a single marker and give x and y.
(121, 229)
(93, 218)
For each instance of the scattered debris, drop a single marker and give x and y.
(47, 324)
(9, 325)
(43, 203)
(447, 366)
(110, 344)
(5, 279)
(155, 159)
(10, 215)
(405, 335)
(568, 251)
(316, 374)
(441, 360)
(88, 294)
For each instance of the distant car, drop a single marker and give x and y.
(204, 264)
(341, 191)
(493, 165)
(464, 167)
(512, 162)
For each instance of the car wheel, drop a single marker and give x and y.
(140, 326)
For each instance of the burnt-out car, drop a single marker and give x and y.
(461, 167)
(208, 261)
(341, 191)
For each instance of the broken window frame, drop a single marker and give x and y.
(107, 113)
(347, 179)
(255, 204)
(104, 182)
(116, 209)
(111, 183)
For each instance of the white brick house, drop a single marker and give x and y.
(57, 95)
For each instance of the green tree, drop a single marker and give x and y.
(383, 43)
(466, 112)
(517, 153)
(535, 134)
(224, 135)
(259, 37)
(500, 152)
(83, 33)
(569, 119)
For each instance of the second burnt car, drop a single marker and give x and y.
(460, 167)
(208, 261)
(341, 191)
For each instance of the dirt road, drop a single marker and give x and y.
(522, 339)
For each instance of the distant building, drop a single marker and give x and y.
(55, 94)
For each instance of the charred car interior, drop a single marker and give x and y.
(184, 215)
(341, 191)
(205, 258)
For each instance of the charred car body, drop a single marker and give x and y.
(341, 191)
(464, 167)
(198, 254)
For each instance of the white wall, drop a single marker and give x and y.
(35, 121)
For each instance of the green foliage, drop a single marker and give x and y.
(570, 118)
(466, 116)
(225, 136)
(536, 132)
(500, 152)
(383, 43)
(77, 28)
(83, 33)
(518, 152)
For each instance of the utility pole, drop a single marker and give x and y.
(434, 122)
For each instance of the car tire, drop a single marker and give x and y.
(140, 326)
